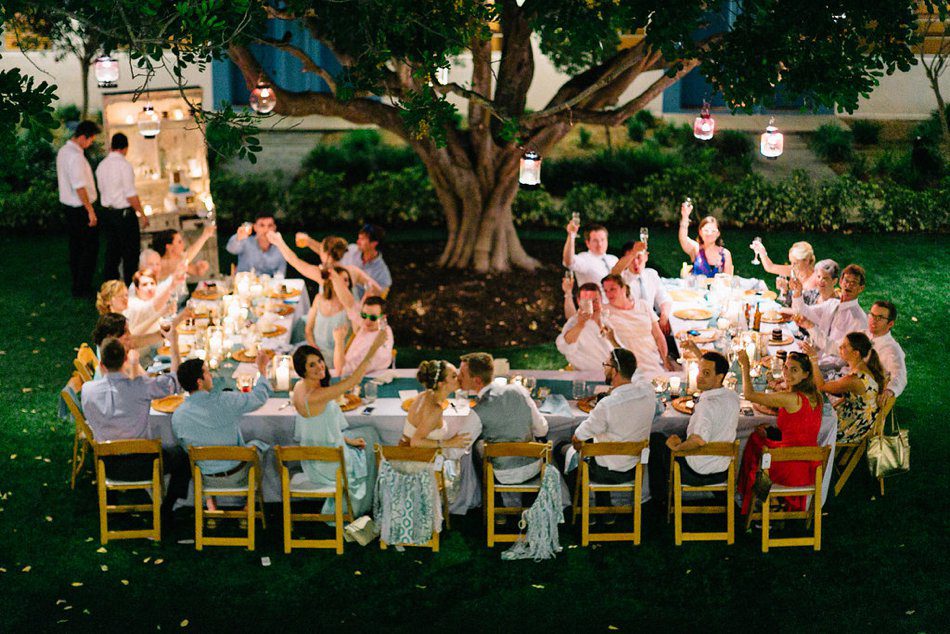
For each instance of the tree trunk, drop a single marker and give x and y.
(84, 75)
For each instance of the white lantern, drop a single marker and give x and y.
(530, 174)
(107, 72)
(772, 142)
(704, 126)
(263, 99)
(149, 123)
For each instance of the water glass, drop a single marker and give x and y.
(530, 383)
(370, 391)
(578, 389)
(644, 234)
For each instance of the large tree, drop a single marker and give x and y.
(826, 52)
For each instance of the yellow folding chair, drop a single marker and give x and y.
(849, 454)
(81, 432)
(425, 455)
(252, 491)
(86, 362)
(339, 493)
(537, 450)
(677, 488)
(585, 487)
(104, 484)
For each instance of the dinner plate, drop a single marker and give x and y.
(406, 404)
(348, 401)
(278, 331)
(166, 350)
(283, 310)
(766, 295)
(706, 335)
(685, 295)
(291, 292)
(693, 314)
(168, 404)
(775, 317)
(207, 294)
(784, 341)
(683, 404)
(241, 356)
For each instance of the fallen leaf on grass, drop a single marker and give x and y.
(125, 582)
(612, 627)
(104, 568)
(27, 568)
(184, 623)
(27, 390)
(13, 456)
(357, 573)
(76, 584)
(538, 586)
(909, 612)
(146, 560)
(49, 518)
(60, 601)
(158, 562)
(101, 549)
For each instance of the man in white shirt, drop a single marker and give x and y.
(77, 193)
(581, 341)
(121, 211)
(715, 419)
(632, 325)
(880, 321)
(595, 263)
(834, 318)
(644, 283)
(624, 415)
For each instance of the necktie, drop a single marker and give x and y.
(643, 290)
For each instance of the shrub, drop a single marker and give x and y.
(314, 200)
(537, 208)
(240, 197)
(360, 154)
(620, 170)
(593, 203)
(37, 207)
(584, 138)
(646, 118)
(866, 132)
(930, 129)
(393, 199)
(832, 143)
(636, 129)
(68, 112)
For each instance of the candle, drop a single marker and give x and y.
(750, 350)
(282, 377)
(693, 373)
(674, 385)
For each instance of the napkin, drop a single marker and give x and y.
(556, 405)
(385, 377)
(408, 394)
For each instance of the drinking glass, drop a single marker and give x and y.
(586, 306)
(370, 391)
(755, 241)
(576, 219)
(644, 234)
(165, 325)
(578, 389)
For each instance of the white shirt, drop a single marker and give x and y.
(159, 288)
(892, 358)
(72, 172)
(715, 419)
(116, 180)
(833, 320)
(590, 349)
(624, 415)
(139, 312)
(634, 331)
(647, 287)
(588, 267)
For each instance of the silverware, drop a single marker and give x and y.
(285, 405)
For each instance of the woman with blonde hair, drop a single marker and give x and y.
(113, 297)
(425, 426)
(707, 252)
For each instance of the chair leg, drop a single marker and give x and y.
(490, 513)
(75, 467)
(854, 458)
(199, 511)
(766, 508)
(585, 505)
(731, 506)
(677, 505)
(157, 501)
(881, 482)
(251, 512)
(339, 515)
(816, 507)
(636, 503)
(103, 502)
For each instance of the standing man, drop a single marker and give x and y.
(258, 254)
(593, 264)
(121, 211)
(77, 192)
(365, 256)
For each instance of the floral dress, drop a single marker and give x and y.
(856, 411)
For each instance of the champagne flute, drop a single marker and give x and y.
(644, 235)
(755, 241)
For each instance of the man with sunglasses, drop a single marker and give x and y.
(371, 319)
(880, 321)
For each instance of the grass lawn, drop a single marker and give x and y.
(883, 563)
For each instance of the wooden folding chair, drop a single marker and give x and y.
(424, 455)
(339, 493)
(252, 491)
(849, 454)
(812, 514)
(104, 484)
(585, 487)
(80, 436)
(537, 450)
(86, 362)
(677, 488)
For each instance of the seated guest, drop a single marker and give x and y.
(644, 283)
(347, 358)
(826, 276)
(880, 321)
(209, 418)
(581, 341)
(715, 418)
(833, 318)
(708, 255)
(150, 259)
(798, 423)
(801, 265)
(117, 408)
(624, 415)
(425, 425)
(330, 312)
(365, 257)
(257, 254)
(634, 326)
(320, 422)
(149, 304)
(859, 387)
(507, 413)
(331, 251)
(170, 246)
(592, 265)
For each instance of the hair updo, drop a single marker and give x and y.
(431, 372)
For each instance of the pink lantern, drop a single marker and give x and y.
(107, 72)
(530, 174)
(704, 126)
(772, 142)
(263, 99)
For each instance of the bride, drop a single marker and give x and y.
(424, 425)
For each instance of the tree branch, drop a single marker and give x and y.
(309, 65)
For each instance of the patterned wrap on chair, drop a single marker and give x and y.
(541, 540)
(407, 506)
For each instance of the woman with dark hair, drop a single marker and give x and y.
(424, 426)
(798, 424)
(328, 322)
(170, 245)
(708, 254)
(320, 423)
(859, 388)
(331, 250)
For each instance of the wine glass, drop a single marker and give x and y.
(576, 219)
(755, 242)
(644, 234)
(165, 325)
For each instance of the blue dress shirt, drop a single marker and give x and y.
(250, 256)
(375, 268)
(116, 407)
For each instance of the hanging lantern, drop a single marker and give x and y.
(149, 123)
(704, 126)
(107, 72)
(263, 99)
(772, 142)
(530, 174)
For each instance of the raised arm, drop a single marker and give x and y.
(767, 264)
(341, 290)
(317, 398)
(690, 246)
(567, 256)
(789, 400)
(570, 308)
(623, 262)
(306, 269)
(195, 247)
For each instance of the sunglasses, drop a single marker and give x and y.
(371, 317)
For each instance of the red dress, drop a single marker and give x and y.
(798, 430)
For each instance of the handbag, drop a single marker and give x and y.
(889, 454)
(762, 485)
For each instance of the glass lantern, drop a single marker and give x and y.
(263, 99)
(107, 72)
(704, 126)
(772, 142)
(149, 123)
(530, 174)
